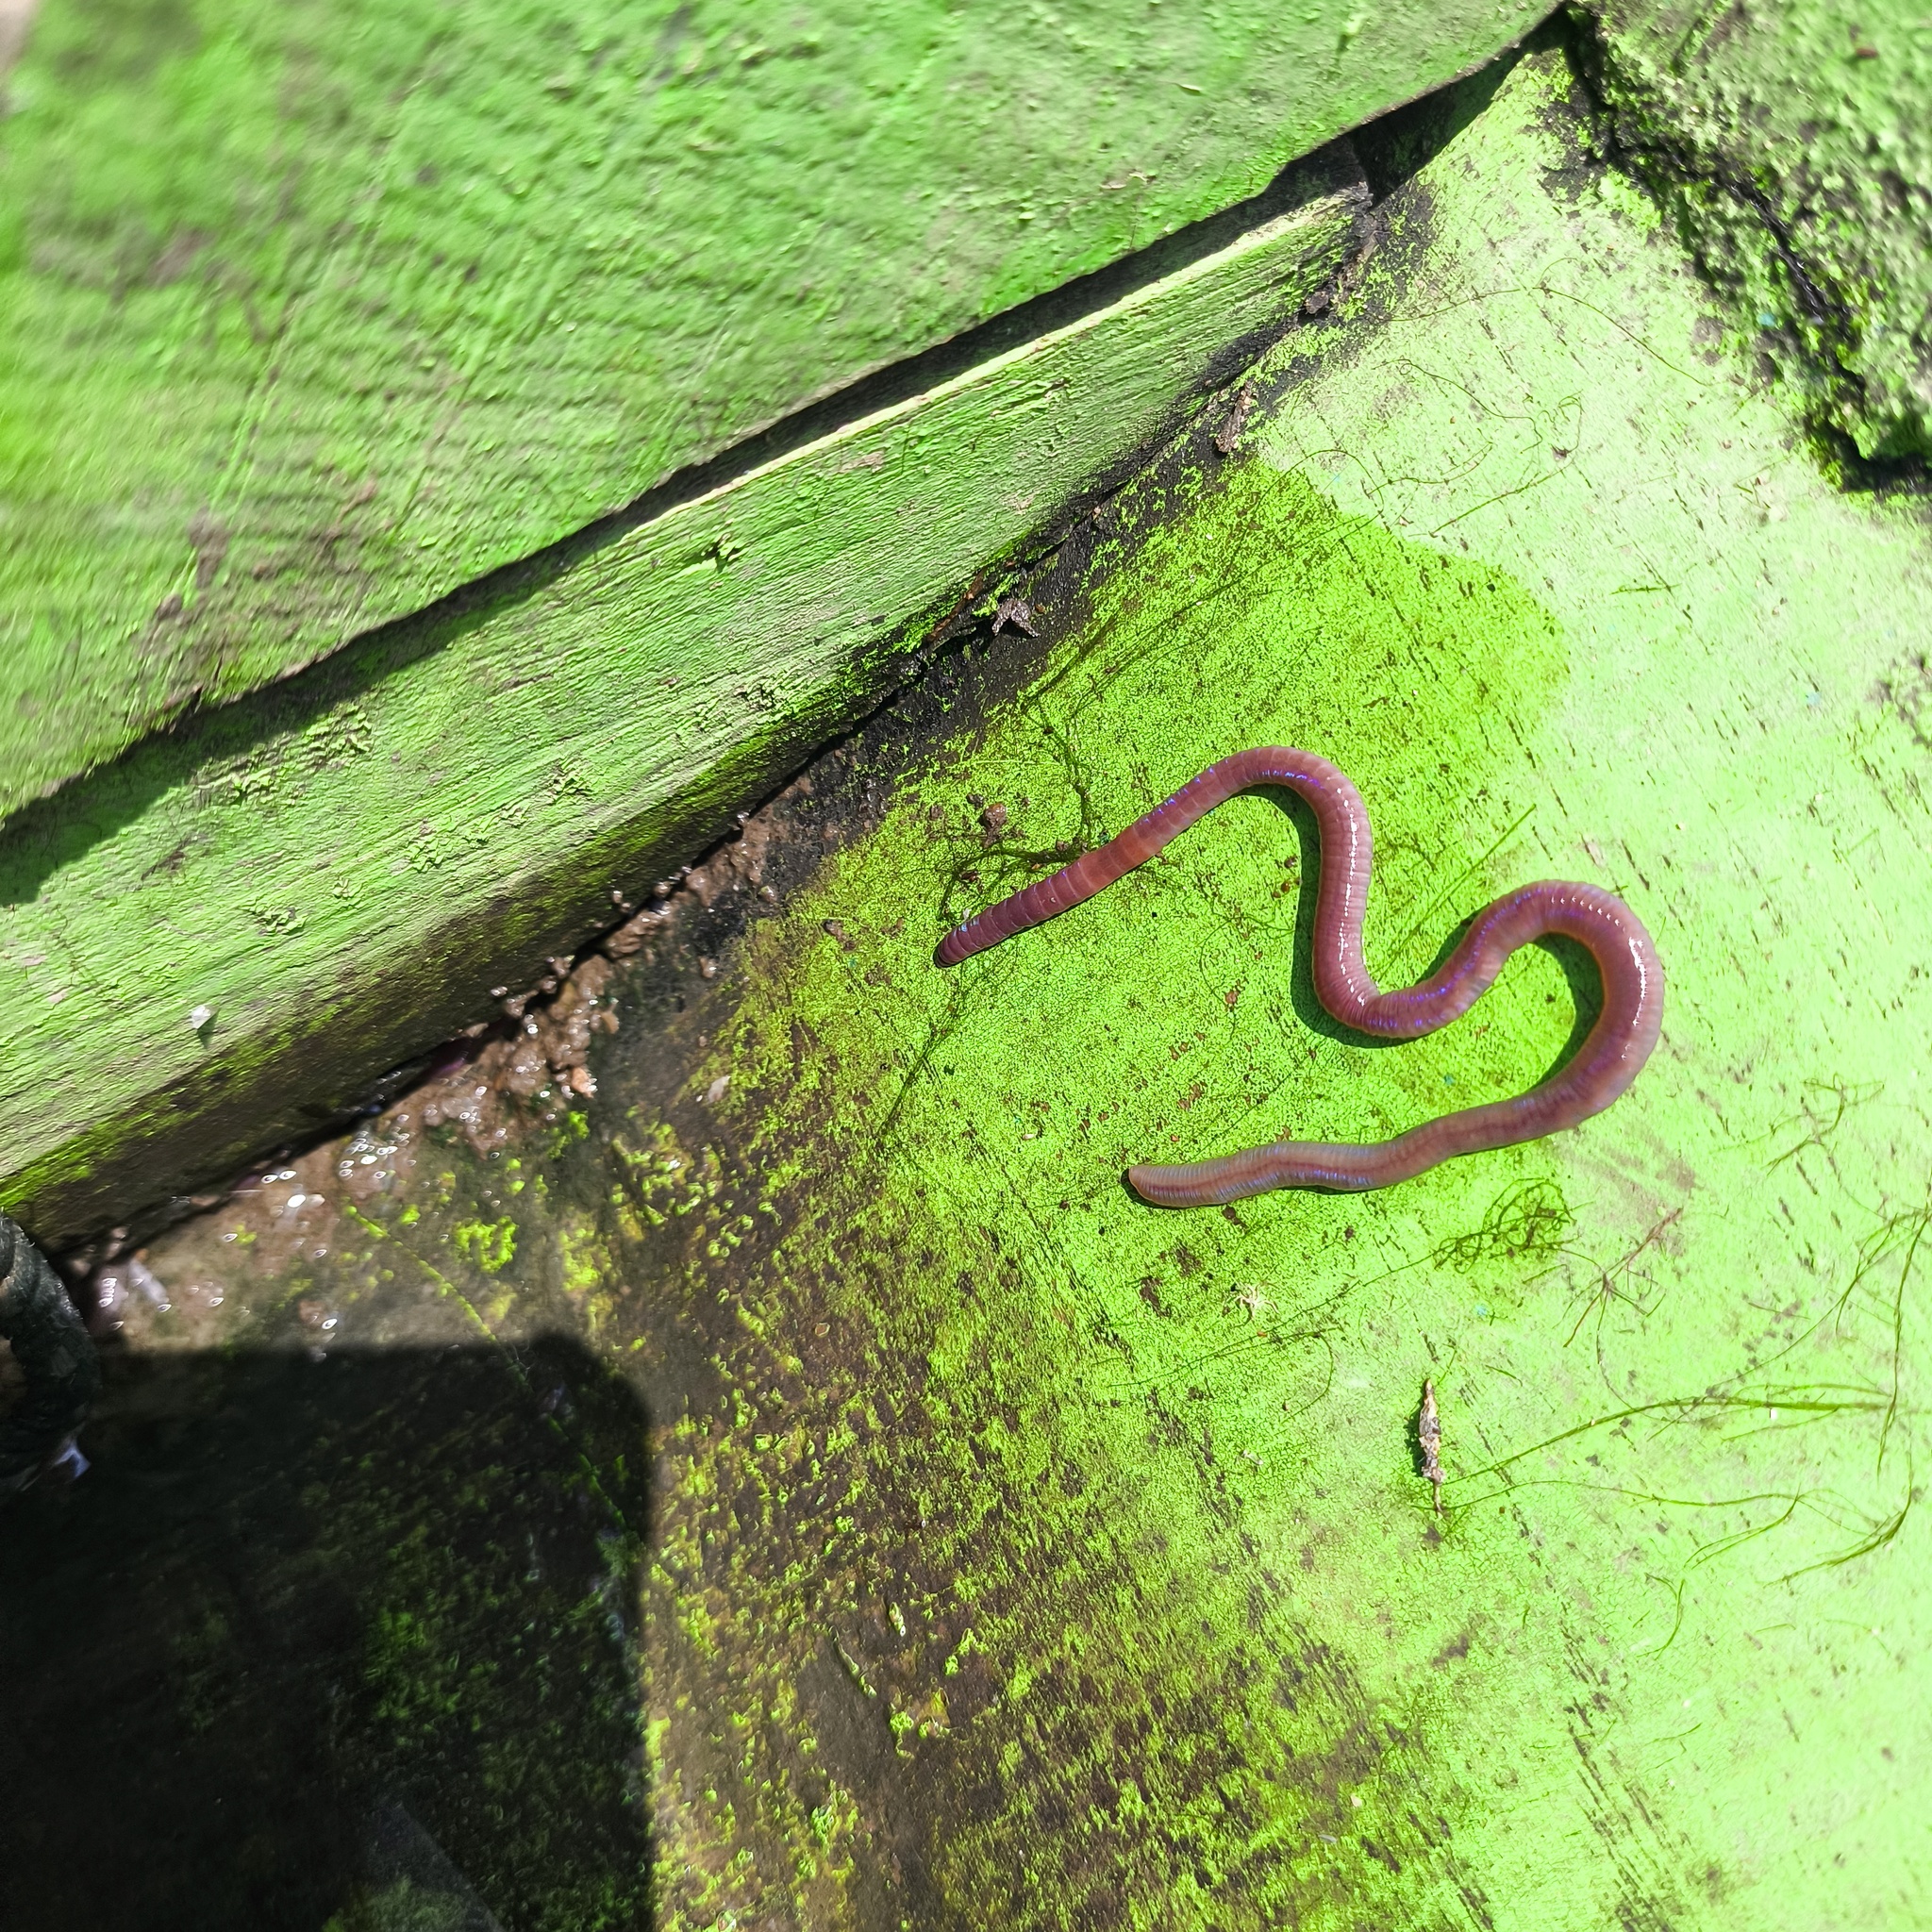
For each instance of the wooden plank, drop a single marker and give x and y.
(311, 313)
(334, 876)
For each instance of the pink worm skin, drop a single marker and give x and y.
(1608, 1060)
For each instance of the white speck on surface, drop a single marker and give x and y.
(715, 1092)
(141, 1276)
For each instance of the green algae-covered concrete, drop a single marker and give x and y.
(312, 320)
(222, 938)
(1791, 144)
(309, 314)
(1021, 1556)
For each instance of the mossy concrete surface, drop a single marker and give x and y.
(309, 314)
(1021, 1556)
(1792, 143)
(224, 937)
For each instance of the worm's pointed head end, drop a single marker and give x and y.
(950, 950)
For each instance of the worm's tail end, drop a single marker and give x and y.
(1324, 1167)
(1234, 1177)
(1184, 1187)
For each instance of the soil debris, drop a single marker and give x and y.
(1428, 1436)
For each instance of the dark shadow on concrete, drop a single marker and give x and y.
(1586, 985)
(338, 1642)
(1581, 974)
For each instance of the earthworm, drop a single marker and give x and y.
(1618, 1044)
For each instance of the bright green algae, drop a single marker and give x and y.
(1148, 1441)
(1025, 1556)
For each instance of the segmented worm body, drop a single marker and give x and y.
(1617, 1046)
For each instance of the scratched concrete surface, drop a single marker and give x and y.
(1016, 1555)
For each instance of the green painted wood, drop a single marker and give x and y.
(311, 313)
(335, 875)
(1022, 1558)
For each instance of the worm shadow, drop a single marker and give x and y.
(342, 1642)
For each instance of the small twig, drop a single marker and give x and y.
(1428, 1436)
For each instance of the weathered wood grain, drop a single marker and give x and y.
(334, 876)
(311, 313)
